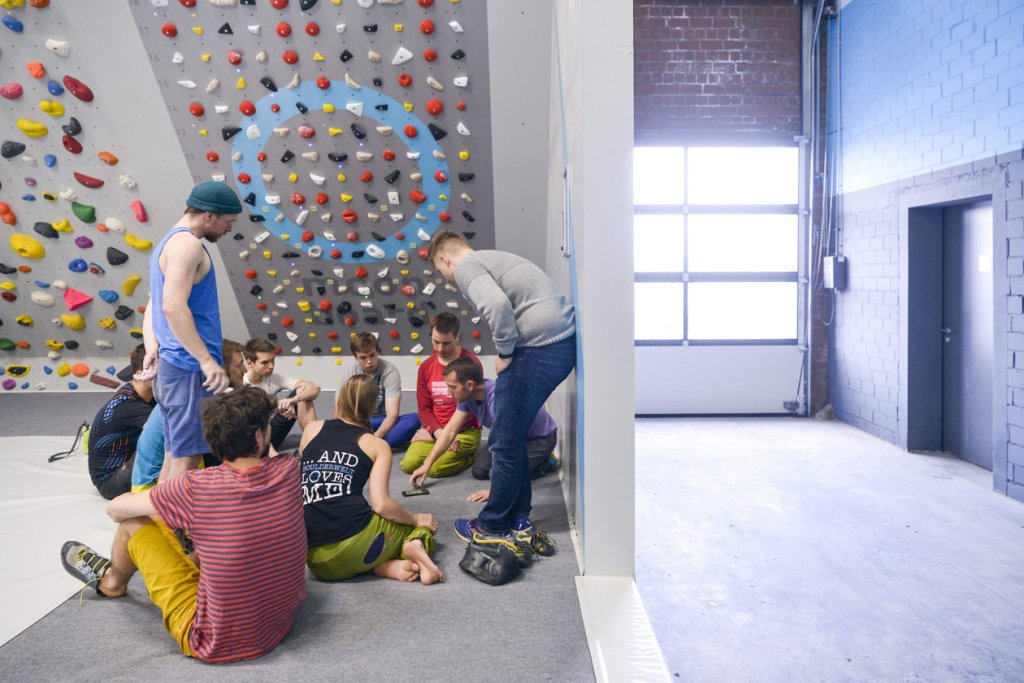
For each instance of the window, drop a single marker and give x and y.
(716, 244)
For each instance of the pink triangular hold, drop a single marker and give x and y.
(75, 299)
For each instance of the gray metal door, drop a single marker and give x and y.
(967, 312)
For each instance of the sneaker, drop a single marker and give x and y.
(467, 530)
(187, 546)
(538, 541)
(83, 563)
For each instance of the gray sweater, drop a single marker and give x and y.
(516, 298)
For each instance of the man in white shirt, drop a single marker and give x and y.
(260, 357)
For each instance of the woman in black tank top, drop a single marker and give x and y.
(347, 534)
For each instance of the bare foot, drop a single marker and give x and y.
(399, 570)
(429, 573)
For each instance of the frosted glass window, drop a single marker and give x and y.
(658, 310)
(658, 175)
(742, 310)
(743, 243)
(742, 175)
(658, 243)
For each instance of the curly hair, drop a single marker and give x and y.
(358, 399)
(231, 420)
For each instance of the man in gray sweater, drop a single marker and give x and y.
(534, 330)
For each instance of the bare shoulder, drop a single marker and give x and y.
(374, 446)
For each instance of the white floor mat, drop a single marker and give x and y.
(42, 505)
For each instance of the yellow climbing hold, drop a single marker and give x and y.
(129, 284)
(64, 370)
(303, 306)
(136, 332)
(73, 320)
(309, 321)
(414, 335)
(204, 132)
(205, 56)
(11, 4)
(328, 108)
(312, 335)
(198, 30)
(267, 254)
(24, 320)
(317, 57)
(32, 129)
(137, 242)
(54, 344)
(25, 246)
(240, 83)
(292, 177)
(272, 273)
(298, 361)
(399, 28)
(300, 290)
(7, 285)
(62, 226)
(407, 105)
(464, 154)
(108, 324)
(410, 305)
(334, 131)
(336, 349)
(18, 370)
(52, 107)
(345, 197)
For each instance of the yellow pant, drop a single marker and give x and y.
(450, 462)
(171, 578)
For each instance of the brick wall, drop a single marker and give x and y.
(716, 66)
(933, 100)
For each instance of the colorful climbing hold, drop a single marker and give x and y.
(78, 89)
(26, 246)
(88, 181)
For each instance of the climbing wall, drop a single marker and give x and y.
(76, 232)
(353, 130)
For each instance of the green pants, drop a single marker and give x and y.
(380, 542)
(450, 462)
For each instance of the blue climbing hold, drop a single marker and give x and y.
(28, 197)
(72, 385)
(78, 266)
(13, 24)
(25, 385)
(111, 370)
(47, 369)
(55, 88)
(41, 284)
(50, 160)
(108, 295)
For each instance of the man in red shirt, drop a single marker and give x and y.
(244, 599)
(436, 406)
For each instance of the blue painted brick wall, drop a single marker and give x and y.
(928, 84)
(932, 91)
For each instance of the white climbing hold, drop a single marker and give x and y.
(326, 216)
(221, 108)
(301, 218)
(68, 194)
(43, 299)
(416, 349)
(281, 131)
(318, 179)
(253, 131)
(267, 177)
(439, 155)
(115, 225)
(384, 130)
(466, 198)
(218, 177)
(350, 82)
(61, 48)
(423, 235)
(363, 289)
(428, 288)
(456, 26)
(59, 284)
(383, 272)
(254, 29)
(159, 3)
(393, 197)
(364, 156)
(262, 236)
(375, 251)
(291, 335)
(261, 56)
(434, 83)
(104, 344)
(461, 127)
(213, 84)
(461, 81)
(397, 217)
(244, 254)
(177, 58)
(402, 55)
(294, 83)
(355, 107)
(365, 3)
(312, 155)
(374, 57)
(412, 155)
(126, 180)
(187, 84)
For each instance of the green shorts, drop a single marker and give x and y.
(379, 542)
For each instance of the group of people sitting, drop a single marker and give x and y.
(310, 510)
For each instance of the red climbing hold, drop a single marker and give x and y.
(283, 29)
(426, 27)
(422, 253)
(350, 320)
(88, 181)
(476, 334)
(417, 196)
(393, 334)
(461, 106)
(290, 57)
(306, 131)
(307, 236)
(408, 290)
(444, 216)
(11, 91)
(212, 157)
(262, 156)
(251, 274)
(410, 131)
(388, 155)
(349, 216)
(298, 198)
(247, 108)
(313, 28)
(169, 30)
(366, 177)
(322, 82)
(324, 305)
(235, 57)
(430, 55)
(332, 335)
(287, 321)
(352, 236)
(321, 198)
(404, 80)
(441, 177)
(275, 107)
(196, 109)
(434, 107)
(244, 178)
(361, 272)
(426, 3)
(278, 4)
(140, 211)
(188, 3)
(71, 144)
(334, 254)
(261, 306)
(78, 89)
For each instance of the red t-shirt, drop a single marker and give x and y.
(434, 404)
(249, 533)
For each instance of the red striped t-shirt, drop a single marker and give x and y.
(249, 533)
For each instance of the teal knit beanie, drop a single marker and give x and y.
(214, 196)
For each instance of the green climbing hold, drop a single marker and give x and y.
(84, 212)
(6, 344)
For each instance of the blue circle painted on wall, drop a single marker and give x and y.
(339, 94)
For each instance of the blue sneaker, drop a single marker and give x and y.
(465, 528)
(535, 539)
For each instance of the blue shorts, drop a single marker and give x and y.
(179, 393)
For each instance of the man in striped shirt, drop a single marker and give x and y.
(245, 518)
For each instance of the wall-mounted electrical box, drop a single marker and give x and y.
(834, 271)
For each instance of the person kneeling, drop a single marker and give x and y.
(348, 536)
(240, 515)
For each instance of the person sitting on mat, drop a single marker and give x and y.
(436, 407)
(387, 421)
(260, 357)
(346, 534)
(149, 456)
(475, 396)
(115, 431)
(245, 518)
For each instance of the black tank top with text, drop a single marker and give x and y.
(334, 471)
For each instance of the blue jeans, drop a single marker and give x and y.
(402, 431)
(519, 392)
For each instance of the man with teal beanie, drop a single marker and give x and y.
(182, 324)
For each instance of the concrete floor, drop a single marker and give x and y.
(792, 550)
